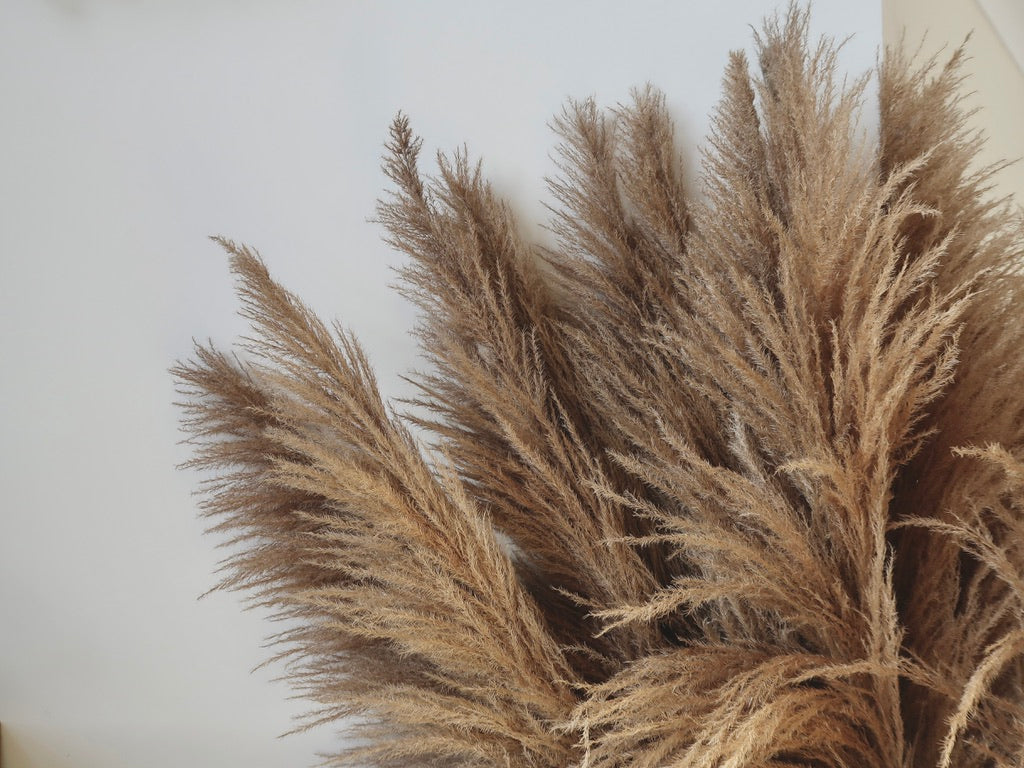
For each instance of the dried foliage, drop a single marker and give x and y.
(730, 481)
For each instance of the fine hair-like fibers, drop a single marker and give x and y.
(722, 481)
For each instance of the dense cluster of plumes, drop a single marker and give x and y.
(730, 481)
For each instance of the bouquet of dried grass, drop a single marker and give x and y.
(729, 482)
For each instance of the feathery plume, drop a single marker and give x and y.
(734, 480)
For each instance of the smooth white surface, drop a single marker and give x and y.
(1007, 18)
(130, 131)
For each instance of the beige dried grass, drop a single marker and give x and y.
(731, 482)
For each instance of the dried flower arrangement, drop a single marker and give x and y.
(728, 482)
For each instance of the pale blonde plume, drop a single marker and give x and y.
(728, 481)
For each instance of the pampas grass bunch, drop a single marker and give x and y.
(731, 480)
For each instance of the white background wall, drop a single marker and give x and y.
(129, 131)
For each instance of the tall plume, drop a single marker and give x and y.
(735, 480)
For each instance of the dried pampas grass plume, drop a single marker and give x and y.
(736, 481)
